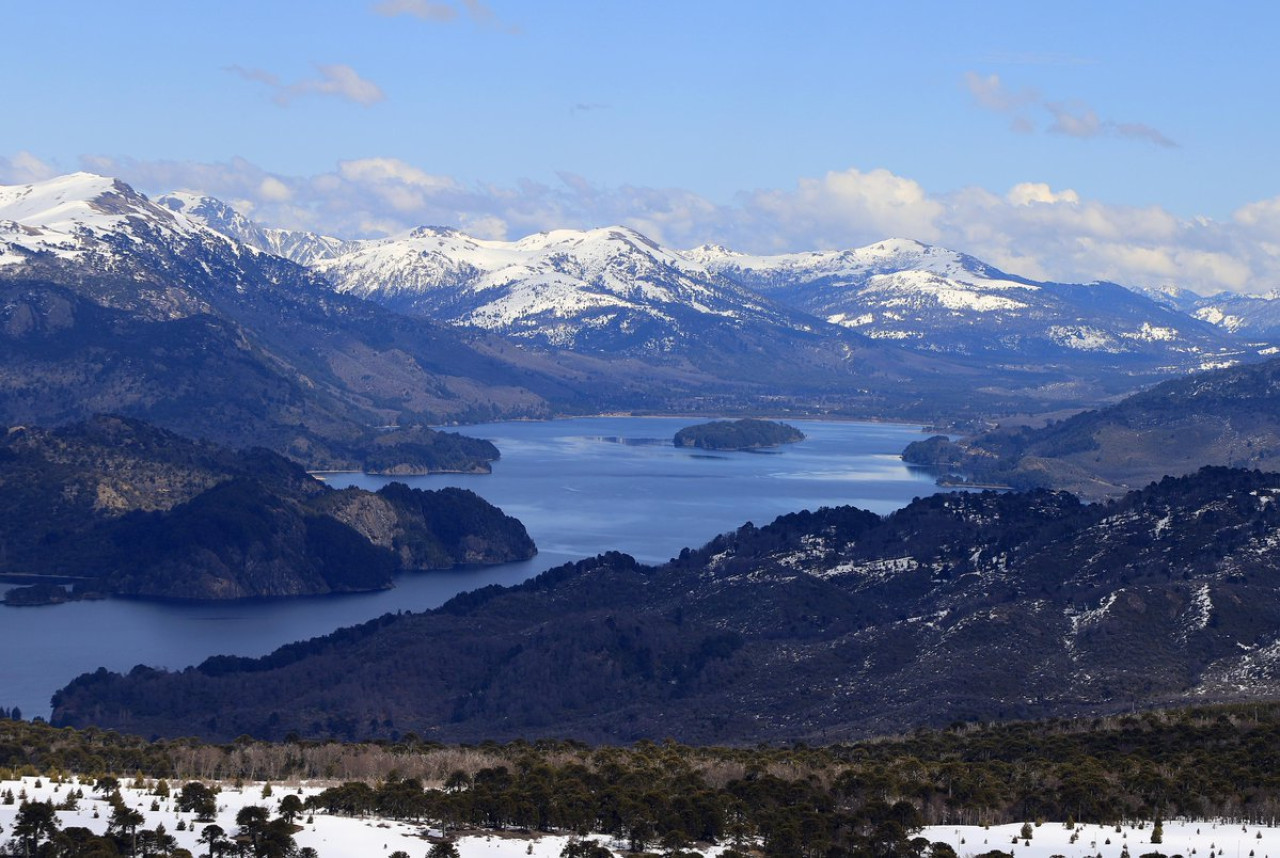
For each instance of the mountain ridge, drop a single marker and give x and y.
(822, 625)
(1229, 417)
(557, 288)
(110, 302)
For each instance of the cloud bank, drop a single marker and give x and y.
(1031, 229)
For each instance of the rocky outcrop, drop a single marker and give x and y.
(128, 509)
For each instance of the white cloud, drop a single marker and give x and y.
(1074, 119)
(1141, 131)
(844, 207)
(391, 171)
(336, 80)
(23, 168)
(1026, 193)
(273, 190)
(1031, 229)
(1069, 118)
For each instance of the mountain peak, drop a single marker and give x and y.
(430, 231)
(901, 245)
(58, 199)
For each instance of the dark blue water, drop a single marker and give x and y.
(580, 486)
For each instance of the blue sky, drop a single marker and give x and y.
(1130, 141)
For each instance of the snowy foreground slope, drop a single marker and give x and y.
(371, 837)
(329, 836)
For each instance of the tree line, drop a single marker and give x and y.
(866, 798)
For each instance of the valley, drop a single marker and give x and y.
(483, 429)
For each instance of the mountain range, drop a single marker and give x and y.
(182, 312)
(111, 303)
(614, 290)
(820, 626)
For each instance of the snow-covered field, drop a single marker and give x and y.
(330, 836)
(342, 837)
(1201, 839)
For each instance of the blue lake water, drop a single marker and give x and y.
(580, 486)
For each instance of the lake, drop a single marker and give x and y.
(580, 486)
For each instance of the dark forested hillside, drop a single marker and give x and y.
(821, 625)
(116, 506)
(1226, 417)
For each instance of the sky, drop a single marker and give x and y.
(1124, 141)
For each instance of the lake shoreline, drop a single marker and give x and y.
(577, 494)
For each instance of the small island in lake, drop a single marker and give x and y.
(746, 434)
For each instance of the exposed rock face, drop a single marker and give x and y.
(430, 530)
(117, 506)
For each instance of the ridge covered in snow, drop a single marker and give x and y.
(563, 288)
(612, 289)
(304, 248)
(934, 299)
(71, 216)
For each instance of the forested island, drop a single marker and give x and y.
(746, 434)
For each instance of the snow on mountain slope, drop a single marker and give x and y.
(304, 248)
(934, 299)
(122, 249)
(1253, 316)
(887, 257)
(614, 290)
(565, 288)
(72, 216)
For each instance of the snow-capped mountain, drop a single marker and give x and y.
(304, 248)
(72, 216)
(1252, 316)
(614, 290)
(783, 319)
(609, 289)
(94, 227)
(1174, 297)
(933, 299)
(110, 302)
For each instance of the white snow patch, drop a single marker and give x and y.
(330, 836)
